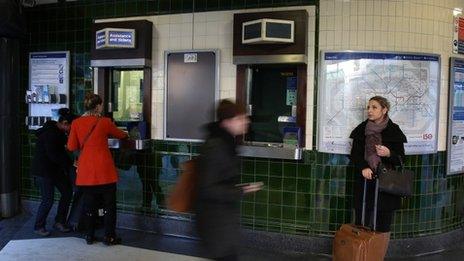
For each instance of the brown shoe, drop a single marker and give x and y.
(42, 232)
(112, 241)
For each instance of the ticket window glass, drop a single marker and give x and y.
(126, 93)
(127, 100)
(272, 94)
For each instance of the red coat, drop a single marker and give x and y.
(95, 165)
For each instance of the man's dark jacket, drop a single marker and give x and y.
(217, 205)
(394, 139)
(50, 157)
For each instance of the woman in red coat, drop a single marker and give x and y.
(96, 173)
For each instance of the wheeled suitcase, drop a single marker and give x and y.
(361, 243)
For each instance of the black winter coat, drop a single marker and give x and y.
(217, 206)
(394, 139)
(50, 157)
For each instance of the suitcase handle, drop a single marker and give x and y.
(376, 197)
(358, 229)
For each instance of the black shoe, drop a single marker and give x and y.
(75, 227)
(61, 227)
(89, 240)
(109, 241)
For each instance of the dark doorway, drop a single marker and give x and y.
(273, 94)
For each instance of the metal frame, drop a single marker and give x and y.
(95, 79)
(321, 82)
(246, 150)
(270, 59)
(165, 84)
(9, 204)
(450, 117)
(133, 63)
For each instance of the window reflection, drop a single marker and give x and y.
(128, 95)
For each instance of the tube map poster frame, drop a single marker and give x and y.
(347, 79)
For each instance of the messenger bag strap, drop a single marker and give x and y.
(89, 133)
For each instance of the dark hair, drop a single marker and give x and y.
(228, 109)
(65, 114)
(382, 101)
(91, 101)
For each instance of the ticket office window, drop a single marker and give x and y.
(275, 97)
(127, 95)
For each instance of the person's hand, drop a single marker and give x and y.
(75, 164)
(252, 187)
(367, 173)
(382, 151)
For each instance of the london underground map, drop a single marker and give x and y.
(409, 81)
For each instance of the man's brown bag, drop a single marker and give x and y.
(183, 195)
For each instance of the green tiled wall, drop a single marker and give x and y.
(307, 197)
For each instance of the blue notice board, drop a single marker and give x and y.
(455, 139)
(101, 39)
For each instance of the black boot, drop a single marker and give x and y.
(90, 237)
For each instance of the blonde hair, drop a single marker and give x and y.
(91, 101)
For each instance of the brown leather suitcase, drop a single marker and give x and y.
(355, 243)
(359, 243)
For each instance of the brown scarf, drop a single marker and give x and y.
(373, 137)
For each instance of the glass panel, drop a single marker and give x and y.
(278, 30)
(127, 89)
(252, 31)
(273, 93)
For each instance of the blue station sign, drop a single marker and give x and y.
(112, 38)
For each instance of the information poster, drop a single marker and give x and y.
(48, 86)
(458, 35)
(455, 142)
(291, 91)
(347, 80)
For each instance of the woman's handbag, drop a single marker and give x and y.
(398, 182)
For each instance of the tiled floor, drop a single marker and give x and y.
(150, 247)
(51, 249)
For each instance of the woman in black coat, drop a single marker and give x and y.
(49, 165)
(217, 206)
(376, 140)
